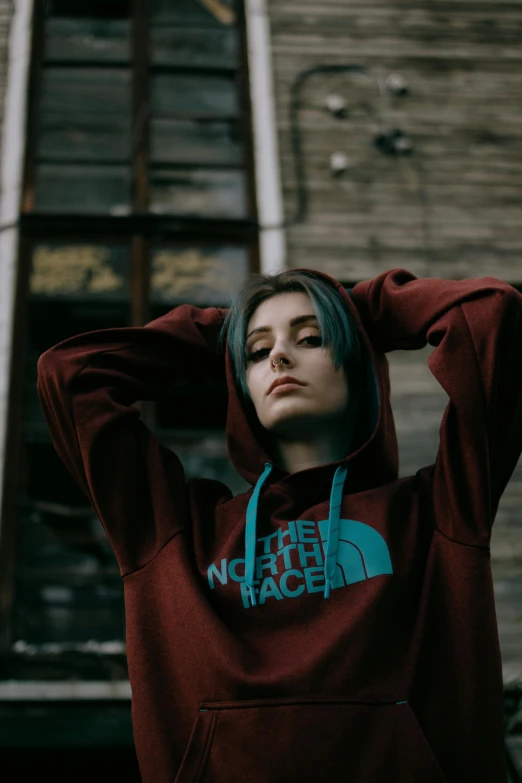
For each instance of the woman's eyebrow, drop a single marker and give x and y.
(299, 320)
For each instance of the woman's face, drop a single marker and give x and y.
(295, 347)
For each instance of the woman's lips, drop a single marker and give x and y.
(285, 387)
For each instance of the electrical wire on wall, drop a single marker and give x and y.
(388, 140)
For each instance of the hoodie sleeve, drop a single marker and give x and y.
(476, 327)
(87, 386)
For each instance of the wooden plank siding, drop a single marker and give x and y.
(452, 209)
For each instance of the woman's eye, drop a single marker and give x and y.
(315, 337)
(257, 355)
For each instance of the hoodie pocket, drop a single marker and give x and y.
(298, 740)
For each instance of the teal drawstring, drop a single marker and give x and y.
(332, 541)
(250, 533)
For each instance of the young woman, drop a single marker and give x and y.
(333, 622)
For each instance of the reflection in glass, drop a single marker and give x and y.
(203, 47)
(198, 192)
(106, 40)
(195, 141)
(179, 94)
(192, 13)
(68, 588)
(79, 271)
(85, 115)
(83, 189)
(199, 275)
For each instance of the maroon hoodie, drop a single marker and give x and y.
(334, 624)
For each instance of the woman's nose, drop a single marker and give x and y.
(279, 356)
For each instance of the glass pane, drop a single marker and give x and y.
(85, 114)
(64, 591)
(200, 275)
(200, 95)
(187, 141)
(80, 272)
(92, 9)
(83, 189)
(87, 39)
(194, 47)
(198, 193)
(67, 584)
(194, 12)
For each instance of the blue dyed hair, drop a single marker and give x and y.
(338, 329)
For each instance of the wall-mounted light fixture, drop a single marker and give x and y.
(393, 142)
(396, 84)
(336, 105)
(339, 162)
(389, 141)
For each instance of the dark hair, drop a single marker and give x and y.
(336, 324)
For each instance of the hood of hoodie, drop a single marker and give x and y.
(373, 460)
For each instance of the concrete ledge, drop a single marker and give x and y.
(68, 690)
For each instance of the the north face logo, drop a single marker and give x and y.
(292, 559)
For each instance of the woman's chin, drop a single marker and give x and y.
(293, 424)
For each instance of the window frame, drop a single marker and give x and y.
(139, 228)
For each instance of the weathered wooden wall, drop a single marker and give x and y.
(418, 404)
(452, 209)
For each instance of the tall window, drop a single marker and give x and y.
(138, 196)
